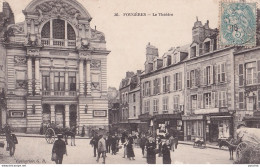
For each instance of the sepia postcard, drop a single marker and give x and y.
(129, 82)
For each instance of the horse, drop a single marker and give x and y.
(231, 143)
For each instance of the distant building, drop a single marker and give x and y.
(56, 69)
(113, 108)
(6, 18)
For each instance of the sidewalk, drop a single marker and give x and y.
(78, 137)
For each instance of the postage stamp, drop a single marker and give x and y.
(238, 24)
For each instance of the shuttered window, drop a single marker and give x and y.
(188, 79)
(241, 74)
(241, 100)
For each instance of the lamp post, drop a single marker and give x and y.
(232, 112)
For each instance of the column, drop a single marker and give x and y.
(52, 82)
(32, 27)
(29, 73)
(53, 113)
(66, 33)
(37, 76)
(81, 78)
(88, 78)
(77, 83)
(67, 115)
(66, 83)
(51, 32)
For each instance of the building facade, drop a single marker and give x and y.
(247, 87)
(163, 92)
(56, 68)
(6, 18)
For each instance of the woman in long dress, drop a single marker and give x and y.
(130, 149)
(166, 152)
(151, 155)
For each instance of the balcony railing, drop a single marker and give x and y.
(59, 93)
(58, 42)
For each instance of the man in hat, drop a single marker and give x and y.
(59, 147)
(101, 148)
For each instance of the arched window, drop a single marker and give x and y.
(46, 30)
(58, 32)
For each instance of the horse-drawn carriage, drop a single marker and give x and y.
(246, 137)
(52, 130)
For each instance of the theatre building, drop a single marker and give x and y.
(56, 68)
(209, 86)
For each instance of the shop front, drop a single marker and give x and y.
(144, 126)
(168, 124)
(253, 121)
(194, 127)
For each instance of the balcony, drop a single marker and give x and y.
(58, 42)
(59, 93)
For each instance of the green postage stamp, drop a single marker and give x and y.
(238, 24)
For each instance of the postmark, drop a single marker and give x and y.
(237, 24)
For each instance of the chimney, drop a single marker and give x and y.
(129, 74)
(139, 72)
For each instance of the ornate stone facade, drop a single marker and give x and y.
(56, 78)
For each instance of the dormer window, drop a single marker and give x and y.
(207, 47)
(193, 51)
(58, 32)
(169, 60)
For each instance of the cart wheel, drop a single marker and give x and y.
(242, 146)
(50, 136)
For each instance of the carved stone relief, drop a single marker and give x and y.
(95, 64)
(19, 60)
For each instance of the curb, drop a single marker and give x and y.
(207, 146)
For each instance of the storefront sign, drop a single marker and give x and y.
(195, 117)
(207, 111)
(168, 116)
(99, 113)
(17, 114)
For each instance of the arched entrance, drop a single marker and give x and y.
(46, 114)
(60, 118)
(73, 115)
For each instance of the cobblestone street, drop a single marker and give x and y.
(36, 150)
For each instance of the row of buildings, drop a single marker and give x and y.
(53, 68)
(197, 90)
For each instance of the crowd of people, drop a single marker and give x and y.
(150, 146)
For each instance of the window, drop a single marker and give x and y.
(72, 81)
(166, 84)
(193, 128)
(147, 106)
(58, 29)
(207, 100)
(206, 47)
(134, 111)
(251, 73)
(169, 60)
(176, 104)
(241, 74)
(134, 98)
(192, 79)
(221, 72)
(46, 30)
(155, 105)
(241, 100)
(45, 81)
(126, 97)
(208, 79)
(147, 88)
(71, 33)
(177, 81)
(193, 51)
(59, 81)
(222, 99)
(200, 130)
(193, 102)
(156, 86)
(165, 104)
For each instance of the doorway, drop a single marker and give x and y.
(73, 115)
(60, 118)
(213, 132)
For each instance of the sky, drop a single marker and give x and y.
(127, 36)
